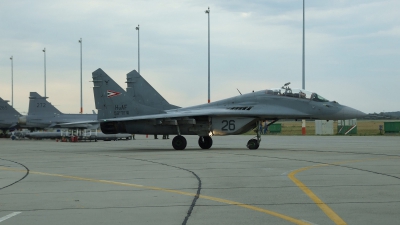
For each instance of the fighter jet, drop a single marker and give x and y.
(42, 114)
(8, 116)
(135, 113)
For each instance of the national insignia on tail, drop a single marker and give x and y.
(111, 94)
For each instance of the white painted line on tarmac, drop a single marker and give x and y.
(286, 173)
(309, 222)
(9, 216)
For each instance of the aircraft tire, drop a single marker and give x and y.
(205, 142)
(179, 142)
(252, 144)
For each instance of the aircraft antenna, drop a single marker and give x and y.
(239, 91)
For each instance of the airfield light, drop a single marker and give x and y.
(44, 51)
(137, 28)
(80, 42)
(208, 12)
(12, 81)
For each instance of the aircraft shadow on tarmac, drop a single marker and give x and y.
(151, 150)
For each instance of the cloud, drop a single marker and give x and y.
(351, 46)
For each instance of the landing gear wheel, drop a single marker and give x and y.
(205, 142)
(179, 142)
(252, 144)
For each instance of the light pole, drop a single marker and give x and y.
(303, 122)
(80, 42)
(12, 81)
(208, 12)
(303, 68)
(44, 50)
(138, 47)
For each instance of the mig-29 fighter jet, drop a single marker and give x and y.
(135, 113)
(8, 116)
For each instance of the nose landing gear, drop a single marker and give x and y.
(253, 144)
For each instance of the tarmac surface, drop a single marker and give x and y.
(288, 180)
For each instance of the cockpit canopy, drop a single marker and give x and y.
(296, 93)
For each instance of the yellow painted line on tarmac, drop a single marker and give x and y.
(324, 207)
(229, 202)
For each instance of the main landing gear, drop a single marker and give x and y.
(205, 142)
(179, 142)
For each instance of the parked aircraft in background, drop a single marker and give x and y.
(136, 113)
(8, 116)
(42, 114)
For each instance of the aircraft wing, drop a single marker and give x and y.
(276, 112)
(76, 125)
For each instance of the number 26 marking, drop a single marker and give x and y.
(228, 125)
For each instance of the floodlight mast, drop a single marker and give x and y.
(12, 81)
(138, 43)
(303, 122)
(208, 12)
(303, 65)
(80, 42)
(44, 51)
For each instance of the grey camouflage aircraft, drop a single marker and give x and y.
(42, 114)
(142, 110)
(8, 116)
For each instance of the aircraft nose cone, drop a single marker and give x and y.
(351, 113)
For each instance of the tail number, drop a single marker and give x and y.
(228, 125)
(41, 105)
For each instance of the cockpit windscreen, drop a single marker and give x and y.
(296, 93)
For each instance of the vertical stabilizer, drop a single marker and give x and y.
(112, 101)
(38, 105)
(144, 93)
(8, 115)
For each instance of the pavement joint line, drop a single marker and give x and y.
(9, 216)
(229, 202)
(324, 207)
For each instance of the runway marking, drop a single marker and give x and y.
(229, 202)
(324, 207)
(310, 222)
(9, 216)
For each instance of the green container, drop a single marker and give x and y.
(391, 127)
(344, 129)
(275, 128)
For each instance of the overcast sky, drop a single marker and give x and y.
(352, 49)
